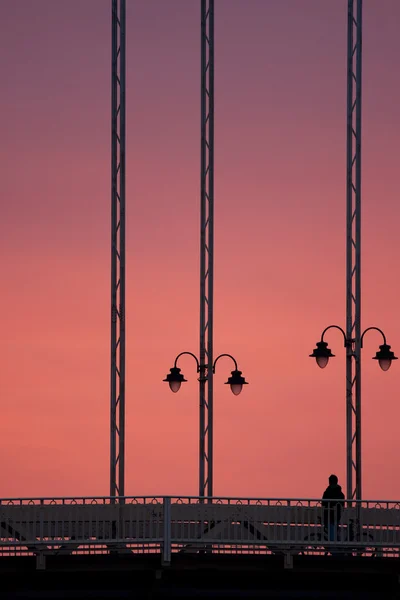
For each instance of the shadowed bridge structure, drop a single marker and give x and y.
(160, 544)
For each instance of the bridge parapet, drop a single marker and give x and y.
(192, 524)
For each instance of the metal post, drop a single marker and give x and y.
(117, 421)
(206, 248)
(353, 250)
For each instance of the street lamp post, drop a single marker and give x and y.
(236, 382)
(352, 334)
(322, 353)
(206, 363)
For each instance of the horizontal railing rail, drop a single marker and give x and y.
(170, 524)
(286, 501)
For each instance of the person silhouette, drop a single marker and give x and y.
(332, 504)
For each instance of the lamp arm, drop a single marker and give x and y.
(191, 354)
(346, 341)
(376, 329)
(220, 356)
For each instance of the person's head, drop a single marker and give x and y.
(333, 480)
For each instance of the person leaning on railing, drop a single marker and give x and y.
(332, 504)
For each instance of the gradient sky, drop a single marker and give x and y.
(279, 249)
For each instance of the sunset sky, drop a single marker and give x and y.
(280, 126)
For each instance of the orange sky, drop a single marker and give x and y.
(279, 249)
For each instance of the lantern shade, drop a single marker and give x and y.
(322, 354)
(236, 388)
(385, 363)
(385, 356)
(236, 381)
(175, 379)
(175, 386)
(322, 361)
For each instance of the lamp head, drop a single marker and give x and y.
(385, 356)
(175, 378)
(322, 354)
(236, 381)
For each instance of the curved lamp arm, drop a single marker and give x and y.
(346, 341)
(191, 354)
(220, 356)
(376, 329)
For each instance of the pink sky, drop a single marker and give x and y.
(279, 255)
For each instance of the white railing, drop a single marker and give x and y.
(41, 526)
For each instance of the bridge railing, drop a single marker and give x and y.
(172, 524)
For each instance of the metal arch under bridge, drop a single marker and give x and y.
(42, 527)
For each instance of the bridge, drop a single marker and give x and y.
(171, 533)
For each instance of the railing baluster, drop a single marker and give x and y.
(166, 545)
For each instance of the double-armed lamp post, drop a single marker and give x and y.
(352, 334)
(206, 363)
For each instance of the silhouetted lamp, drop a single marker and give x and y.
(236, 381)
(322, 354)
(385, 357)
(175, 378)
